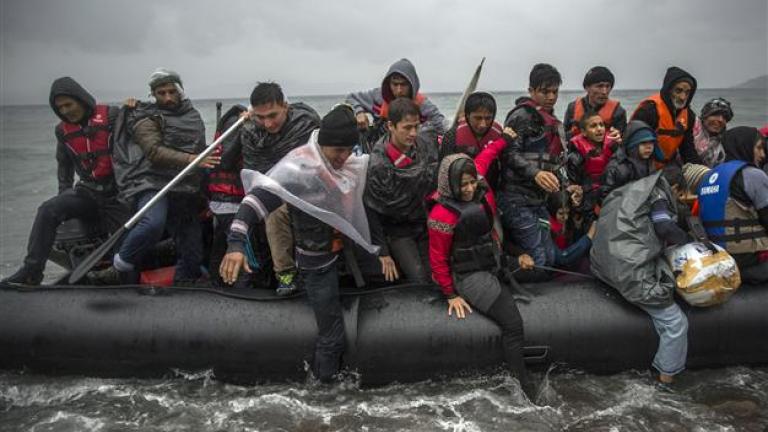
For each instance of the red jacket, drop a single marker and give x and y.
(442, 221)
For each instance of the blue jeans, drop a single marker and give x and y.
(525, 230)
(672, 327)
(322, 287)
(573, 253)
(176, 213)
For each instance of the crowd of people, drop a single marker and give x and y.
(381, 185)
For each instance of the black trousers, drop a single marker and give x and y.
(322, 287)
(76, 203)
(506, 315)
(412, 256)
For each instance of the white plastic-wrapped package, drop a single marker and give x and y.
(703, 277)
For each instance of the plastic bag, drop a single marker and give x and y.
(307, 181)
(704, 277)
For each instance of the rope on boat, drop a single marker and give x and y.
(160, 290)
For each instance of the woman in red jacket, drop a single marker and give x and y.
(464, 250)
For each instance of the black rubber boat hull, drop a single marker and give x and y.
(400, 335)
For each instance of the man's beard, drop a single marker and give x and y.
(170, 106)
(679, 104)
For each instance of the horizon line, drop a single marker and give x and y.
(426, 93)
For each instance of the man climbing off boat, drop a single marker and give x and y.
(322, 182)
(637, 221)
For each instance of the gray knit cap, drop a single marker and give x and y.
(164, 76)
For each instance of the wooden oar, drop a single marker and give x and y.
(96, 255)
(469, 90)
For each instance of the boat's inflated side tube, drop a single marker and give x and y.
(403, 335)
(121, 332)
(582, 324)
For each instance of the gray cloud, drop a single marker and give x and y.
(313, 47)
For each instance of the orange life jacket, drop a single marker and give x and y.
(605, 113)
(670, 131)
(383, 109)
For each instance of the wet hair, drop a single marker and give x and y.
(544, 75)
(267, 93)
(469, 168)
(740, 143)
(401, 108)
(585, 118)
(556, 201)
(479, 100)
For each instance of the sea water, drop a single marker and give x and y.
(728, 399)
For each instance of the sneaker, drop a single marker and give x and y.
(25, 276)
(107, 276)
(286, 283)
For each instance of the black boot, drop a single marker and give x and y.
(25, 275)
(107, 276)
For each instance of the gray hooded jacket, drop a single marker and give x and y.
(626, 253)
(372, 100)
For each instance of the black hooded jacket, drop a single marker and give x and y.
(625, 166)
(396, 196)
(67, 162)
(739, 144)
(647, 113)
(262, 150)
(518, 173)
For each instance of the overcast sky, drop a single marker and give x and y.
(221, 48)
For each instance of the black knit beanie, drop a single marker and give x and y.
(598, 74)
(339, 128)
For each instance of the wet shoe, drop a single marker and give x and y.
(107, 276)
(25, 276)
(664, 387)
(286, 283)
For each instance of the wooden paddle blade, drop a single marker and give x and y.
(95, 256)
(468, 91)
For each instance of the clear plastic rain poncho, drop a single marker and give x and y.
(307, 181)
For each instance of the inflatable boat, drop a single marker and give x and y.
(394, 334)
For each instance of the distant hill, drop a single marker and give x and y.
(760, 82)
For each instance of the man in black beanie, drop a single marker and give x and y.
(322, 174)
(598, 82)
